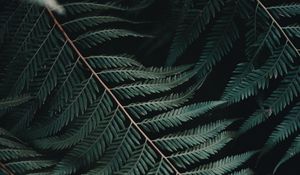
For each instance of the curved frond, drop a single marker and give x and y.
(13, 101)
(285, 10)
(21, 159)
(191, 27)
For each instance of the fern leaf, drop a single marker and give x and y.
(76, 106)
(285, 10)
(10, 154)
(13, 101)
(151, 87)
(92, 39)
(84, 23)
(21, 167)
(276, 102)
(19, 158)
(84, 155)
(178, 116)
(291, 152)
(190, 29)
(219, 42)
(117, 155)
(76, 8)
(277, 65)
(112, 61)
(120, 75)
(160, 104)
(243, 172)
(290, 125)
(140, 162)
(93, 117)
(292, 30)
(201, 152)
(192, 137)
(222, 166)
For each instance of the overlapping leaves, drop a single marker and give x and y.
(100, 113)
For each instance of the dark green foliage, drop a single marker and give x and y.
(12, 102)
(18, 157)
(267, 70)
(194, 21)
(97, 112)
(282, 64)
(93, 108)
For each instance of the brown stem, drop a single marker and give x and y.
(84, 61)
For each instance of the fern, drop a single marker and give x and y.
(281, 64)
(222, 166)
(105, 112)
(291, 152)
(285, 10)
(194, 22)
(19, 158)
(219, 42)
(12, 102)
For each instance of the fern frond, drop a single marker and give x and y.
(191, 137)
(222, 166)
(191, 27)
(84, 23)
(219, 42)
(112, 61)
(178, 116)
(13, 101)
(93, 146)
(76, 8)
(141, 109)
(92, 39)
(292, 30)
(76, 106)
(291, 152)
(289, 126)
(116, 156)
(285, 10)
(243, 172)
(93, 117)
(200, 152)
(23, 116)
(151, 87)
(22, 167)
(287, 91)
(20, 159)
(276, 65)
(249, 80)
(120, 75)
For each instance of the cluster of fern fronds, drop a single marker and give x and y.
(75, 98)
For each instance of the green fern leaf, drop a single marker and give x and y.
(190, 29)
(13, 101)
(285, 10)
(92, 39)
(292, 30)
(178, 116)
(222, 166)
(290, 125)
(291, 152)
